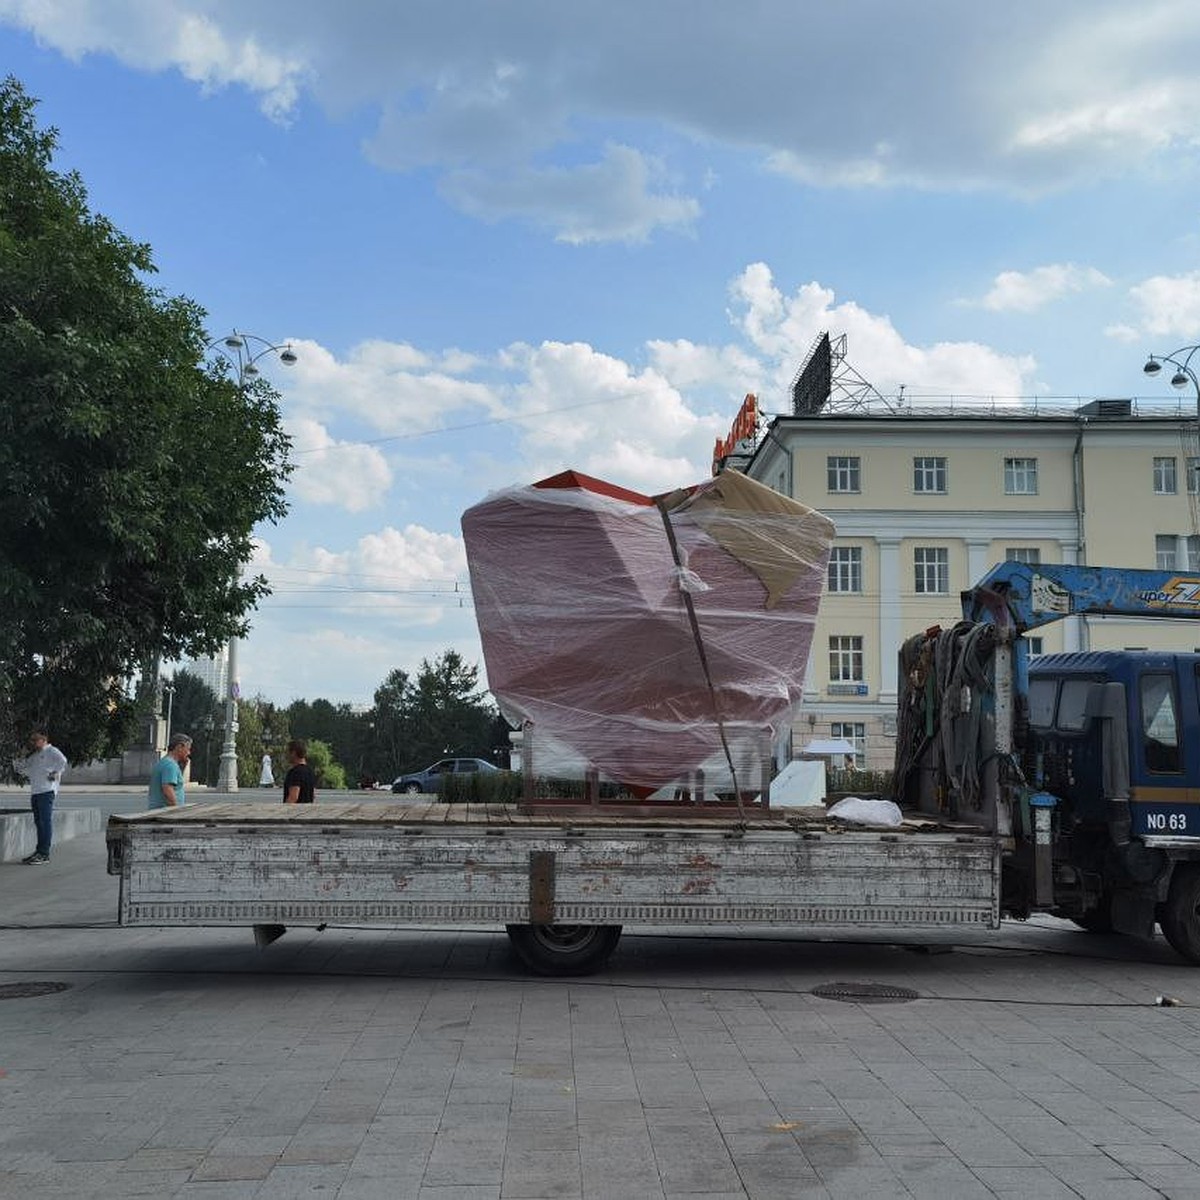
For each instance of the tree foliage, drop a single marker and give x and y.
(444, 710)
(131, 474)
(329, 773)
(413, 721)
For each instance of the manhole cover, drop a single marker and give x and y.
(35, 987)
(865, 993)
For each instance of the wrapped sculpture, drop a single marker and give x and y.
(647, 637)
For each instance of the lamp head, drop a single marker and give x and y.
(1179, 380)
(250, 370)
(234, 342)
(287, 356)
(1152, 367)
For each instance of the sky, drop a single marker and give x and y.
(510, 237)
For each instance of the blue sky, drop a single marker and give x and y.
(510, 238)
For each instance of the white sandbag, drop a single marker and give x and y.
(867, 812)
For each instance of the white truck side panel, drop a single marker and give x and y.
(192, 873)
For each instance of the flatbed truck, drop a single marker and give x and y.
(1025, 789)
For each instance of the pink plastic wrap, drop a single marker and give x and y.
(580, 598)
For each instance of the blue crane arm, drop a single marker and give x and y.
(1026, 596)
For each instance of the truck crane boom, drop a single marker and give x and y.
(1024, 596)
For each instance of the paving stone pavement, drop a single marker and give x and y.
(382, 1064)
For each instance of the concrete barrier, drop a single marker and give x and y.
(19, 838)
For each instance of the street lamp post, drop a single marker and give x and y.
(247, 349)
(1184, 374)
(169, 688)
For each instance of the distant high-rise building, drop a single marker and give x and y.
(211, 670)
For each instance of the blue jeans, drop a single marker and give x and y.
(43, 820)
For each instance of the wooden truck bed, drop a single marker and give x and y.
(434, 864)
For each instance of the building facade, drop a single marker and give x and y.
(926, 503)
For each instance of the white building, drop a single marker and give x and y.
(925, 503)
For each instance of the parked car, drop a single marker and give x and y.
(430, 779)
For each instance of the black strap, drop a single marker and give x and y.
(695, 624)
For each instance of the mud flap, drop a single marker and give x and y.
(1133, 913)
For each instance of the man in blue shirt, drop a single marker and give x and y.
(166, 780)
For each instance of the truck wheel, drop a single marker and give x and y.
(564, 949)
(1180, 915)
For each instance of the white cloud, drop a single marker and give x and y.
(606, 201)
(783, 328)
(406, 577)
(690, 366)
(1027, 291)
(390, 599)
(348, 475)
(392, 386)
(503, 103)
(606, 418)
(1169, 305)
(159, 35)
(393, 595)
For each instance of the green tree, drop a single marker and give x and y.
(348, 733)
(444, 711)
(329, 774)
(120, 543)
(392, 721)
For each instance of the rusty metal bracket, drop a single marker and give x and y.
(541, 887)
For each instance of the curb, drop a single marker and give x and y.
(18, 837)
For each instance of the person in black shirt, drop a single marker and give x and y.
(299, 784)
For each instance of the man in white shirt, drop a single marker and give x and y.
(43, 767)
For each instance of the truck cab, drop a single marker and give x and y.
(1089, 760)
(1073, 703)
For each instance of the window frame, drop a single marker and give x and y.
(940, 565)
(854, 567)
(930, 469)
(843, 474)
(1023, 470)
(1165, 475)
(847, 654)
(857, 737)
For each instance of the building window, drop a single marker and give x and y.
(1035, 646)
(932, 570)
(1193, 553)
(929, 475)
(1029, 555)
(843, 473)
(854, 732)
(845, 659)
(1164, 477)
(1164, 551)
(1020, 476)
(845, 569)
(1193, 475)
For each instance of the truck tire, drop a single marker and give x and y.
(564, 949)
(1180, 915)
